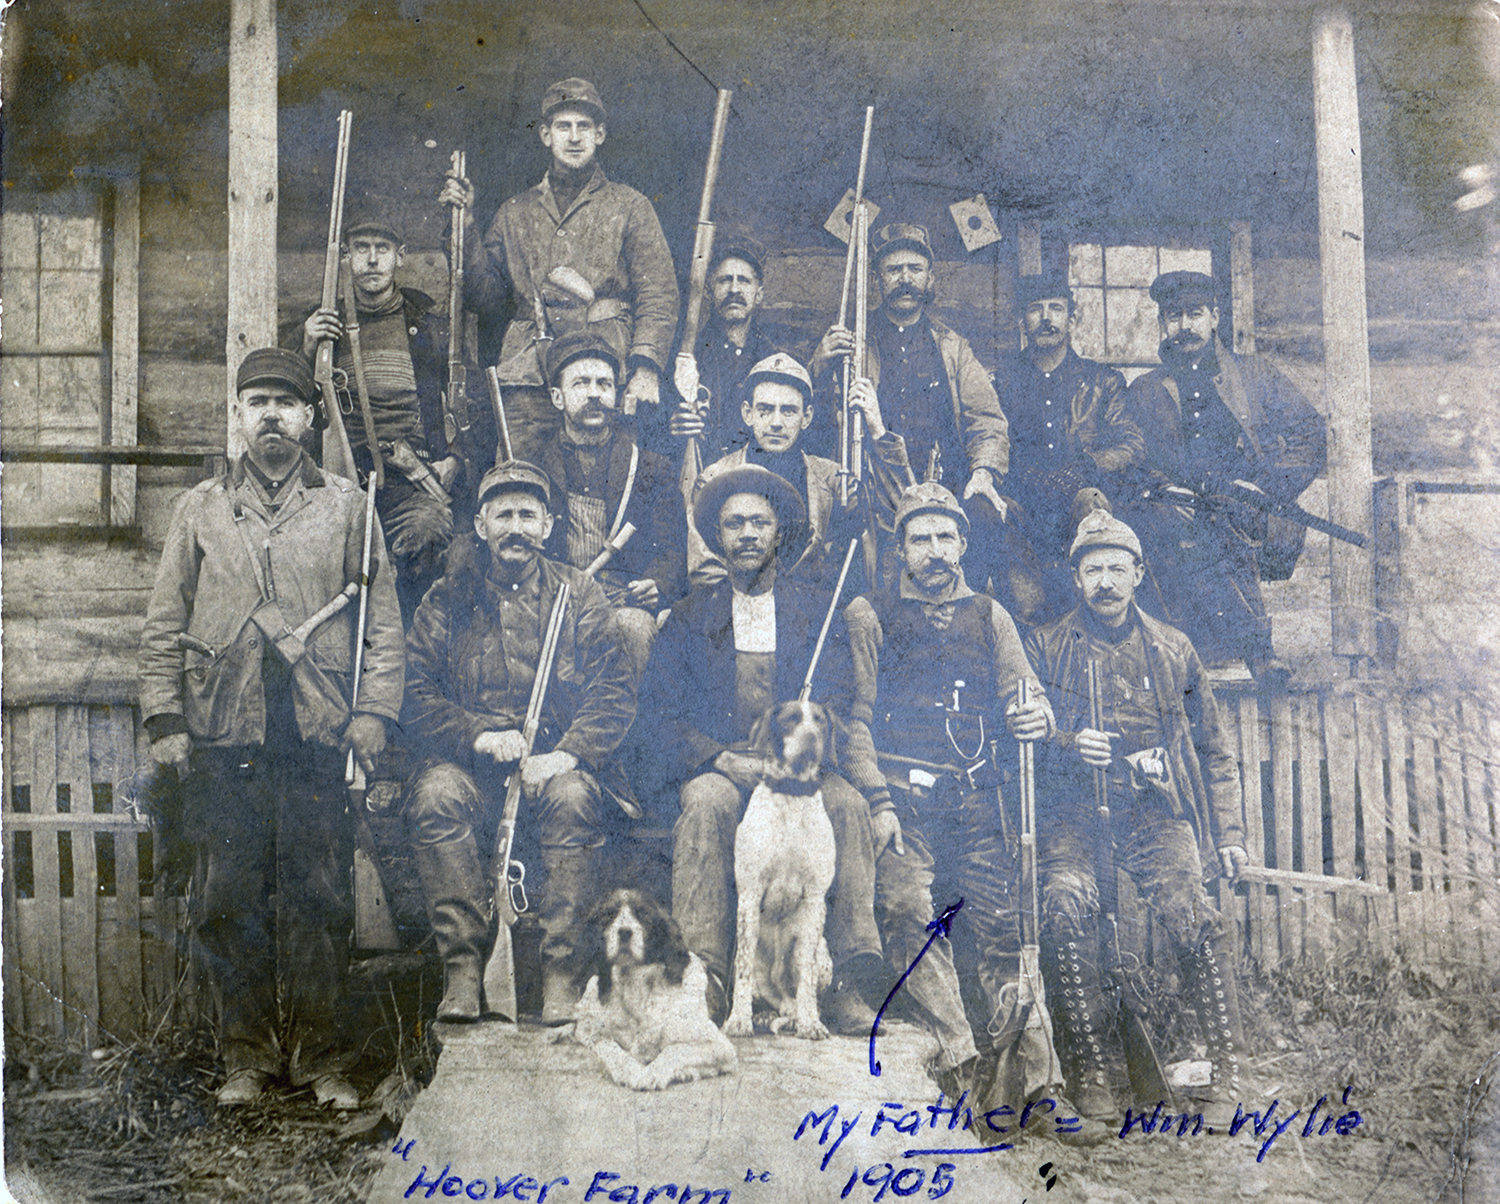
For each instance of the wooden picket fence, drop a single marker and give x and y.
(1371, 819)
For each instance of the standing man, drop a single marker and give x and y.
(575, 249)
(935, 664)
(404, 347)
(1174, 802)
(1213, 420)
(1068, 428)
(937, 396)
(728, 653)
(729, 345)
(252, 708)
(603, 479)
(473, 652)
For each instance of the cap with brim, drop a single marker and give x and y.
(1183, 288)
(929, 497)
(510, 475)
(786, 502)
(372, 223)
(781, 368)
(578, 345)
(1100, 529)
(573, 93)
(277, 365)
(1031, 289)
(738, 246)
(901, 236)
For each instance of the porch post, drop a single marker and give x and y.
(1346, 347)
(252, 185)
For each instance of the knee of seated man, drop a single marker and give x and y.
(441, 795)
(1070, 901)
(570, 798)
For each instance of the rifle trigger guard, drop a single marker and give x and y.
(341, 391)
(515, 881)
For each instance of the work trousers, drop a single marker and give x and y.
(272, 903)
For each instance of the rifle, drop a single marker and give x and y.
(1205, 499)
(685, 374)
(456, 401)
(1148, 1080)
(833, 603)
(857, 269)
(510, 874)
(615, 542)
(338, 457)
(498, 402)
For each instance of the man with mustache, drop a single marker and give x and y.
(404, 346)
(603, 479)
(255, 716)
(729, 652)
(936, 395)
(1069, 434)
(473, 651)
(935, 664)
(731, 342)
(1210, 420)
(576, 249)
(1174, 801)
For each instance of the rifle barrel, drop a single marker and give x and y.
(833, 603)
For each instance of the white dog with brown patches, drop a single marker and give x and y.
(783, 867)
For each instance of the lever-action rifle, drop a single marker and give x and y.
(1235, 493)
(456, 401)
(338, 457)
(510, 874)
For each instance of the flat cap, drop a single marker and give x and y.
(514, 474)
(896, 236)
(279, 365)
(587, 343)
(371, 222)
(1184, 288)
(1030, 289)
(780, 367)
(1101, 529)
(929, 497)
(572, 93)
(718, 488)
(735, 244)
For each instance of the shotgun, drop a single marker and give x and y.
(685, 373)
(510, 874)
(456, 401)
(338, 457)
(857, 271)
(1206, 499)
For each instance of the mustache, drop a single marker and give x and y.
(520, 541)
(1047, 328)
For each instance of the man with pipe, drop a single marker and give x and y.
(246, 660)
(1174, 797)
(473, 652)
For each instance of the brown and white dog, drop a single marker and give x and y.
(645, 1008)
(783, 867)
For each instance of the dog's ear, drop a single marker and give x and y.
(666, 944)
(762, 732)
(837, 734)
(589, 958)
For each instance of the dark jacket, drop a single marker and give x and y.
(1201, 764)
(1092, 419)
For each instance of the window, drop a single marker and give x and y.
(1116, 316)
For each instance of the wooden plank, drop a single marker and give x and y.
(15, 1005)
(1264, 945)
(1418, 934)
(1463, 884)
(1282, 744)
(47, 912)
(1346, 344)
(1375, 806)
(1242, 287)
(80, 914)
(1029, 248)
(124, 390)
(1317, 910)
(1338, 740)
(113, 746)
(1429, 840)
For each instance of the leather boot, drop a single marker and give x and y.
(1084, 1019)
(1208, 981)
(572, 886)
(457, 906)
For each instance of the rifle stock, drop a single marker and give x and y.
(1203, 499)
(493, 379)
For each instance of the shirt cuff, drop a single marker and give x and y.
(159, 727)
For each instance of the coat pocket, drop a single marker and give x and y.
(213, 688)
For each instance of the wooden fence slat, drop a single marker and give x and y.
(1435, 874)
(1317, 909)
(15, 1006)
(48, 909)
(1463, 879)
(1283, 744)
(1474, 773)
(1338, 739)
(1376, 808)
(1421, 940)
(113, 747)
(1264, 946)
(80, 914)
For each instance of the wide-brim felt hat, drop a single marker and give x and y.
(786, 503)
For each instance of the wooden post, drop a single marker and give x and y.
(1029, 248)
(124, 385)
(252, 185)
(1346, 348)
(1242, 288)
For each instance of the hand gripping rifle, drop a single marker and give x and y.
(456, 401)
(685, 372)
(857, 271)
(338, 457)
(1148, 1081)
(510, 874)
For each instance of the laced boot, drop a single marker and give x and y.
(1208, 979)
(572, 883)
(456, 892)
(1083, 1016)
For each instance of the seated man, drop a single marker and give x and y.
(603, 479)
(1174, 799)
(473, 653)
(728, 653)
(777, 407)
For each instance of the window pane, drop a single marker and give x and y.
(1187, 259)
(1129, 266)
(71, 231)
(1133, 331)
(72, 392)
(70, 309)
(37, 495)
(17, 243)
(1085, 263)
(20, 417)
(1088, 333)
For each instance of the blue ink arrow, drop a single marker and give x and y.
(939, 927)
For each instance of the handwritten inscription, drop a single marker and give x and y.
(1190, 1124)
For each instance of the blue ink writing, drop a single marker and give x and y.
(403, 1150)
(939, 928)
(752, 1177)
(1263, 1124)
(629, 1193)
(906, 1182)
(517, 1187)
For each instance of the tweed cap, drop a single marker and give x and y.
(573, 93)
(897, 236)
(1101, 529)
(514, 474)
(734, 244)
(929, 497)
(780, 367)
(1030, 289)
(1183, 288)
(278, 365)
(578, 345)
(372, 222)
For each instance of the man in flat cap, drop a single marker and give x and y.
(604, 479)
(1174, 807)
(936, 395)
(248, 696)
(404, 350)
(575, 249)
(935, 664)
(1068, 429)
(728, 653)
(731, 342)
(1213, 422)
(472, 654)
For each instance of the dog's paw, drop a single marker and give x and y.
(739, 1024)
(555, 1036)
(814, 1030)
